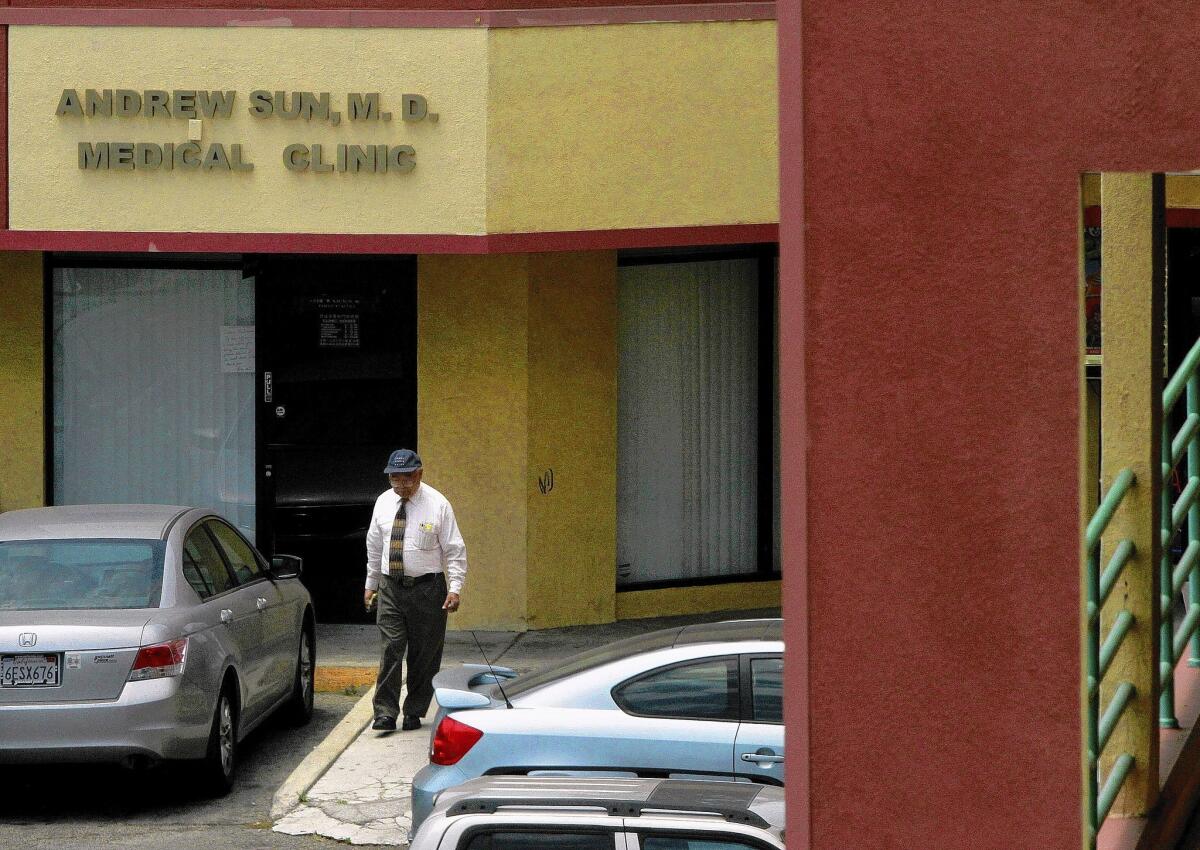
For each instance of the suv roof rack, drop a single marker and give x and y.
(671, 796)
(616, 809)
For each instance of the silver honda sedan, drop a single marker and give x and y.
(138, 633)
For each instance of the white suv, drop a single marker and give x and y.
(589, 813)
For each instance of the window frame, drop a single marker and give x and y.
(747, 687)
(767, 255)
(738, 701)
(52, 260)
(200, 526)
(469, 834)
(261, 575)
(748, 841)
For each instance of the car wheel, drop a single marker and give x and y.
(300, 707)
(219, 767)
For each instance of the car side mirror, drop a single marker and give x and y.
(287, 566)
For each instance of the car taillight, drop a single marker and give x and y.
(452, 740)
(159, 661)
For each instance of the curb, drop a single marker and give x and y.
(323, 755)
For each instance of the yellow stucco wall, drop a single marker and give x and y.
(1183, 191)
(736, 596)
(637, 125)
(472, 415)
(540, 128)
(573, 438)
(22, 413)
(443, 194)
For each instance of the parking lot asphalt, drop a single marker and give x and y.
(354, 786)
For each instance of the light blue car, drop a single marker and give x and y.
(702, 701)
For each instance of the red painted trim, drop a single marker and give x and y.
(387, 243)
(794, 440)
(1183, 218)
(1177, 217)
(387, 18)
(647, 237)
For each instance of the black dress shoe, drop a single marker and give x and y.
(385, 724)
(411, 721)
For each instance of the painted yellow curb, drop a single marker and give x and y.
(332, 680)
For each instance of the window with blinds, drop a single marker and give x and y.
(153, 392)
(690, 478)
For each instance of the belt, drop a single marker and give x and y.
(409, 581)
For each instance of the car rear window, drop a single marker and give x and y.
(80, 574)
(549, 839)
(591, 659)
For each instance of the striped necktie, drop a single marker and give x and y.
(396, 547)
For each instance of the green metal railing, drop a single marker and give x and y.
(1177, 513)
(1100, 656)
(1180, 513)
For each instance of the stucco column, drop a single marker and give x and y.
(472, 420)
(1132, 260)
(517, 426)
(572, 488)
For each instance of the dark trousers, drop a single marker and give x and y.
(409, 618)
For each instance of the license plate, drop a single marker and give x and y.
(33, 670)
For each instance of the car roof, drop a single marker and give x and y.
(731, 630)
(140, 522)
(726, 631)
(738, 802)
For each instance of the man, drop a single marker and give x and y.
(416, 564)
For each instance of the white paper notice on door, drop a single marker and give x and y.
(237, 348)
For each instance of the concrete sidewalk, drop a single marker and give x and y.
(355, 785)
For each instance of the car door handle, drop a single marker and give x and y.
(226, 615)
(261, 602)
(761, 758)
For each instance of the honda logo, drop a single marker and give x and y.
(27, 639)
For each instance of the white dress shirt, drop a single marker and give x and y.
(432, 542)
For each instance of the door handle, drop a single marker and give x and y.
(226, 615)
(261, 602)
(762, 758)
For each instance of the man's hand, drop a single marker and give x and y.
(369, 599)
(451, 603)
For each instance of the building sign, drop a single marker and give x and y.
(339, 320)
(197, 106)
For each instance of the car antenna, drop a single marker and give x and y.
(507, 704)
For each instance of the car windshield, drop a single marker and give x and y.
(591, 659)
(80, 574)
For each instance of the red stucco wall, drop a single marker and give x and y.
(930, 302)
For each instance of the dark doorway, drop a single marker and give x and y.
(337, 387)
(1183, 293)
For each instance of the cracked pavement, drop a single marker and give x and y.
(364, 796)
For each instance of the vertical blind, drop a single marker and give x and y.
(687, 420)
(149, 405)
